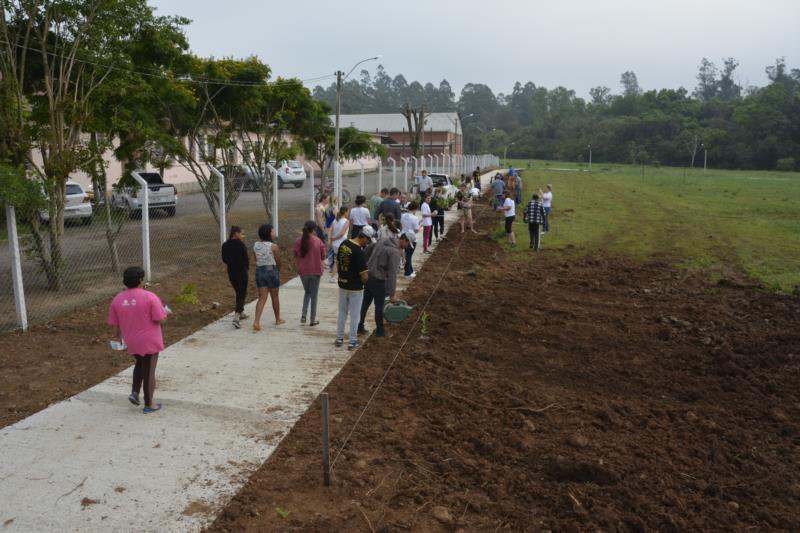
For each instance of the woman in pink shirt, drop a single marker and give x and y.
(135, 317)
(310, 253)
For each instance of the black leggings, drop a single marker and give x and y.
(145, 372)
(438, 226)
(240, 286)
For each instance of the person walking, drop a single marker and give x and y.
(519, 188)
(409, 224)
(438, 208)
(534, 216)
(309, 251)
(235, 257)
(268, 274)
(375, 202)
(383, 259)
(338, 232)
(389, 229)
(353, 274)
(135, 317)
(547, 202)
(390, 205)
(465, 206)
(427, 224)
(509, 210)
(498, 186)
(321, 217)
(425, 185)
(359, 216)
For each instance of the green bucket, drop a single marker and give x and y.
(397, 311)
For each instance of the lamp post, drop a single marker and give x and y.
(705, 157)
(339, 80)
(590, 157)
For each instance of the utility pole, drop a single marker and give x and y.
(337, 175)
(590, 158)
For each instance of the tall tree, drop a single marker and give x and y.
(630, 84)
(707, 85)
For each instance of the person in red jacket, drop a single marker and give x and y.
(309, 250)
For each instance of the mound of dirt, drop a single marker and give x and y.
(553, 393)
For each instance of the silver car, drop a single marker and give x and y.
(290, 172)
(77, 205)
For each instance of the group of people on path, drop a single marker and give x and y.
(363, 248)
(508, 194)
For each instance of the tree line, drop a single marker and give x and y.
(739, 127)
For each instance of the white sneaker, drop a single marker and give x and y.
(411, 276)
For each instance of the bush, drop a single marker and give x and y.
(786, 164)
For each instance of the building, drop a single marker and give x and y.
(443, 134)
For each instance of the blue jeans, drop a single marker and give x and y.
(546, 225)
(409, 269)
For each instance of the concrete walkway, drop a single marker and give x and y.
(96, 463)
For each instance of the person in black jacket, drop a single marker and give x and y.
(438, 208)
(234, 255)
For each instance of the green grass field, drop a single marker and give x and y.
(723, 221)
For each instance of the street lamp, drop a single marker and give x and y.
(590, 157)
(505, 151)
(339, 80)
(705, 156)
(455, 129)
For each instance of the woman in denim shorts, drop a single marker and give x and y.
(268, 274)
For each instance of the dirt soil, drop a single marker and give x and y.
(558, 393)
(58, 359)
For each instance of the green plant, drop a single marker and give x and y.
(282, 513)
(188, 295)
(424, 320)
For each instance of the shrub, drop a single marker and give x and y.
(786, 164)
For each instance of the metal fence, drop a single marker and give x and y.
(95, 253)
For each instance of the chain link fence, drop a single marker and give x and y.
(97, 250)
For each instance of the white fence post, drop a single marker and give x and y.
(274, 174)
(394, 171)
(148, 273)
(16, 268)
(223, 224)
(380, 175)
(361, 164)
(405, 173)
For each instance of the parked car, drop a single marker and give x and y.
(77, 205)
(290, 172)
(244, 178)
(162, 196)
(444, 181)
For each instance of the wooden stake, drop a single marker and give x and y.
(326, 453)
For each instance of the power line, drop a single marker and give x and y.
(156, 74)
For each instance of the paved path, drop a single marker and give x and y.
(96, 463)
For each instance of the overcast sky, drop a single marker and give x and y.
(578, 44)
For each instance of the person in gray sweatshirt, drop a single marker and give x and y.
(383, 262)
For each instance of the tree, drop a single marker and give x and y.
(630, 84)
(600, 95)
(415, 118)
(707, 85)
(58, 54)
(728, 88)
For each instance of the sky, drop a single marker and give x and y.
(578, 44)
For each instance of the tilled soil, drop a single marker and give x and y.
(553, 393)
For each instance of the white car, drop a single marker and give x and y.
(290, 172)
(77, 205)
(443, 181)
(162, 196)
